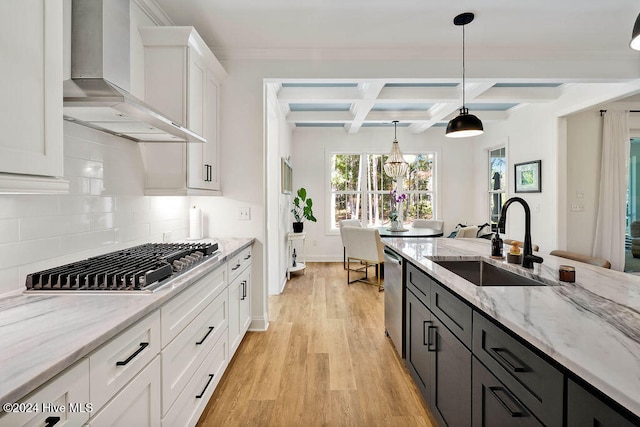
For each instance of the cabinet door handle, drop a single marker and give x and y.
(514, 409)
(236, 267)
(51, 421)
(210, 173)
(199, 396)
(504, 355)
(435, 339)
(244, 290)
(143, 345)
(211, 328)
(425, 333)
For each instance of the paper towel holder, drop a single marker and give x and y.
(195, 224)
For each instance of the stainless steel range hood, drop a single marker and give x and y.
(97, 95)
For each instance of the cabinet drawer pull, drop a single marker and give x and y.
(51, 421)
(435, 340)
(504, 355)
(143, 345)
(425, 333)
(248, 256)
(211, 328)
(199, 396)
(236, 267)
(517, 412)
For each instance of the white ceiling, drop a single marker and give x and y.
(559, 30)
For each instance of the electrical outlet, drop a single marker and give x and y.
(166, 236)
(244, 214)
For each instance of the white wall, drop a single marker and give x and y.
(584, 147)
(278, 134)
(312, 146)
(529, 134)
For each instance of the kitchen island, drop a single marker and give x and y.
(590, 329)
(43, 335)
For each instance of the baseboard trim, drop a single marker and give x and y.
(259, 324)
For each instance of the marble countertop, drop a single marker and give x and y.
(591, 327)
(41, 335)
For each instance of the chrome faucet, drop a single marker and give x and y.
(528, 258)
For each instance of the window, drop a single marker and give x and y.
(497, 183)
(359, 188)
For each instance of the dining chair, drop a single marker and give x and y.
(467, 232)
(599, 262)
(342, 224)
(363, 246)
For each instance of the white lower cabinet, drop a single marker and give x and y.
(60, 402)
(194, 398)
(137, 404)
(185, 354)
(116, 362)
(162, 370)
(239, 308)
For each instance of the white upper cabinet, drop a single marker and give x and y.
(31, 49)
(182, 80)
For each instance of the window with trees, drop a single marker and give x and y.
(497, 183)
(359, 188)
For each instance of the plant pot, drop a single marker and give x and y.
(297, 227)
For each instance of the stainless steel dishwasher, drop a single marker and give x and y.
(393, 299)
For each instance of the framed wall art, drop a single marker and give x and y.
(528, 177)
(286, 172)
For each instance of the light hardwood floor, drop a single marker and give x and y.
(325, 360)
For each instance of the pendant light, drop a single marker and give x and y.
(395, 165)
(465, 124)
(635, 35)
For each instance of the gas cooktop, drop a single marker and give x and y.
(142, 268)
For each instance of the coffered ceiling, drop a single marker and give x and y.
(561, 33)
(417, 104)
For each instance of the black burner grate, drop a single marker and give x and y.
(130, 269)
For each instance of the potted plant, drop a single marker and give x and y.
(302, 209)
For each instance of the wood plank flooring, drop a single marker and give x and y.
(325, 361)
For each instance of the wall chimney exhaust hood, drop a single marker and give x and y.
(97, 95)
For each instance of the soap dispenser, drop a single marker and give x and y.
(496, 246)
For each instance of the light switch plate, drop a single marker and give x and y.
(244, 214)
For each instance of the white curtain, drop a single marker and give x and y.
(610, 224)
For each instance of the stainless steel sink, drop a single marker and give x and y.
(481, 273)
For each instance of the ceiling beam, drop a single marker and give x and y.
(441, 111)
(361, 108)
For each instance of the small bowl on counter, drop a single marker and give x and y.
(514, 258)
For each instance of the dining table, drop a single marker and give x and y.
(409, 232)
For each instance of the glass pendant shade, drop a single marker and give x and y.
(464, 125)
(395, 166)
(635, 35)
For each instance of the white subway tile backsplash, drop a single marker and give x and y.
(20, 206)
(96, 187)
(105, 210)
(8, 230)
(83, 167)
(102, 221)
(133, 232)
(41, 227)
(79, 185)
(16, 254)
(8, 278)
(87, 241)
